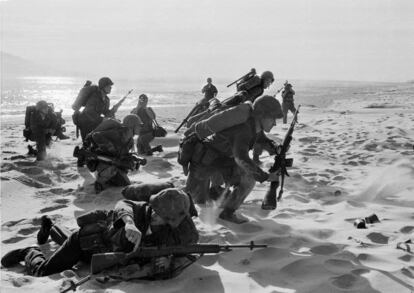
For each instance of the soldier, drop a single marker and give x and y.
(123, 229)
(41, 123)
(287, 103)
(146, 134)
(210, 92)
(227, 153)
(250, 89)
(96, 102)
(116, 142)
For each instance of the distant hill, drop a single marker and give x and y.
(13, 66)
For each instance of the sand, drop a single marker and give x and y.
(351, 159)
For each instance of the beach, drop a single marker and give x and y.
(353, 157)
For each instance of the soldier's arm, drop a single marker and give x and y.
(241, 156)
(151, 113)
(124, 215)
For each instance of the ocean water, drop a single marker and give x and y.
(18, 93)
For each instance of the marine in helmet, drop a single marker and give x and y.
(95, 100)
(288, 103)
(41, 123)
(210, 92)
(250, 89)
(163, 221)
(227, 153)
(113, 139)
(146, 134)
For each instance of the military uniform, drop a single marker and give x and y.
(107, 230)
(97, 104)
(248, 90)
(41, 128)
(288, 102)
(116, 143)
(226, 153)
(146, 134)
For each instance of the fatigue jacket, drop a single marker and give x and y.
(287, 96)
(97, 104)
(185, 233)
(39, 124)
(235, 143)
(115, 142)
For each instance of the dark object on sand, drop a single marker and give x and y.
(360, 224)
(372, 219)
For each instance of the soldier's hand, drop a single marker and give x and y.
(274, 176)
(132, 233)
(162, 263)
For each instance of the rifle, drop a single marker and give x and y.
(117, 105)
(83, 155)
(281, 162)
(195, 109)
(102, 261)
(246, 76)
(278, 91)
(72, 286)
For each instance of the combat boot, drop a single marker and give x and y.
(15, 256)
(158, 148)
(44, 232)
(229, 215)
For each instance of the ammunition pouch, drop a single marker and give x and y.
(91, 238)
(93, 227)
(187, 149)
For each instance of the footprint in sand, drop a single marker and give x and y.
(30, 182)
(338, 266)
(32, 170)
(53, 208)
(325, 249)
(349, 282)
(28, 231)
(378, 238)
(12, 223)
(407, 229)
(13, 240)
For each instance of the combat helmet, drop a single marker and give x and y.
(172, 205)
(104, 81)
(132, 121)
(267, 75)
(267, 106)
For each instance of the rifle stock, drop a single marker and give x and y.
(281, 163)
(102, 261)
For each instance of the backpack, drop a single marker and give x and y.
(191, 145)
(85, 92)
(27, 133)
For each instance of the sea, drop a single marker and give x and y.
(18, 93)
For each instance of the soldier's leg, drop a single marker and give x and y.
(105, 172)
(198, 183)
(285, 109)
(120, 178)
(292, 107)
(40, 138)
(244, 184)
(143, 143)
(64, 258)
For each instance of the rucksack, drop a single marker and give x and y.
(85, 92)
(191, 145)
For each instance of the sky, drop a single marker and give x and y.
(192, 39)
